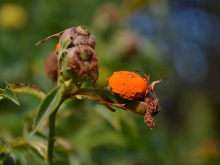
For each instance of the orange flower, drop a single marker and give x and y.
(57, 48)
(128, 85)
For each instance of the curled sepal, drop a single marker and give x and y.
(58, 35)
(26, 88)
(50, 104)
(8, 93)
(78, 64)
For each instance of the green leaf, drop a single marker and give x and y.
(51, 103)
(2, 147)
(110, 117)
(20, 157)
(9, 94)
(27, 88)
(40, 147)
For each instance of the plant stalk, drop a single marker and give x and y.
(52, 136)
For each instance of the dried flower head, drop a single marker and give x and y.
(128, 85)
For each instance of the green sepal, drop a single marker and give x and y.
(51, 103)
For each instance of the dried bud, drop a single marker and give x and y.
(51, 66)
(79, 35)
(128, 85)
(79, 64)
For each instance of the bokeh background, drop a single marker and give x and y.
(178, 39)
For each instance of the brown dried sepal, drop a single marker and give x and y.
(152, 110)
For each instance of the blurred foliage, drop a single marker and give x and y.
(176, 39)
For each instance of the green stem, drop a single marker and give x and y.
(52, 136)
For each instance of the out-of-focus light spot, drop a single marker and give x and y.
(209, 149)
(106, 16)
(193, 24)
(143, 23)
(190, 62)
(214, 38)
(13, 16)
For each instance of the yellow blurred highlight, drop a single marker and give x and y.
(13, 16)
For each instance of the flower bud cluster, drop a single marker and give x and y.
(77, 61)
(77, 57)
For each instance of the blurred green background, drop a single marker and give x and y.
(178, 39)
